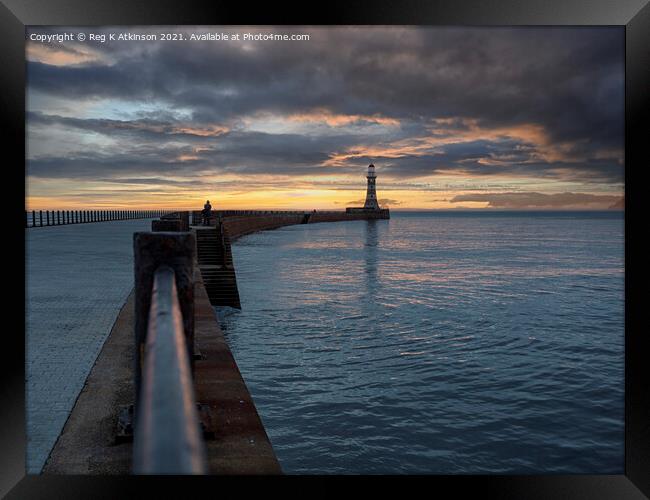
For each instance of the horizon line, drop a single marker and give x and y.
(395, 209)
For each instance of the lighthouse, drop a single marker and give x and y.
(371, 194)
(370, 209)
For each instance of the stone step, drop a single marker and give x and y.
(216, 265)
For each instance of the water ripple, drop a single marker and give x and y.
(436, 343)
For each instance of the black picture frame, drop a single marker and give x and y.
(633, 14)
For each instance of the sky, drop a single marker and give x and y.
(452, 118)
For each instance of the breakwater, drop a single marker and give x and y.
(98, 437)
(237, 223)
(214, 239)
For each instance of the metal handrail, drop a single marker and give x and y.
(64, 217)
(234, 213)
(167, 437)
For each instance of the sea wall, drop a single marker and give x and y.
(240, 225)
(236, 440)
(342, 216)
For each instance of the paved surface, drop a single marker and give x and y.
(87, 444)
(77, 278)
(240, 445)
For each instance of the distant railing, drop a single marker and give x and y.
(40, 218)
(167, 435)
(197, 217)
(231, 213)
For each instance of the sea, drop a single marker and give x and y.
(437, 342)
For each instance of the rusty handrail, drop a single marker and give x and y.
(167, 437)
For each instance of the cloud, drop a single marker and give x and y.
(568, 80)
(387, 202)
(383, 202)
(619, 205)
(61, 55)
(532, 200)
(142, 128)
(525, 103)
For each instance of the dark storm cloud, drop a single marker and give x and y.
(568, 81)
(142, 129)
(418, 166)
(473, 158)
(233, 152)
(152, 147)
(501, 75)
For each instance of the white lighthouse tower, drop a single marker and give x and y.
(370, 209)
(371, 195)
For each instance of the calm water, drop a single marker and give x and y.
(437, 343)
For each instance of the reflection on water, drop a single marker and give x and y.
(370, 253)
(436, 344)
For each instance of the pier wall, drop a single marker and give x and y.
(236, 440)
(234, 434)
(215, 252)
(342, 216)
(240, 225)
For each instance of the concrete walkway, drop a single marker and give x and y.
(237, 444)
(77, 279)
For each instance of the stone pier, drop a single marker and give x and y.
(92, 442)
